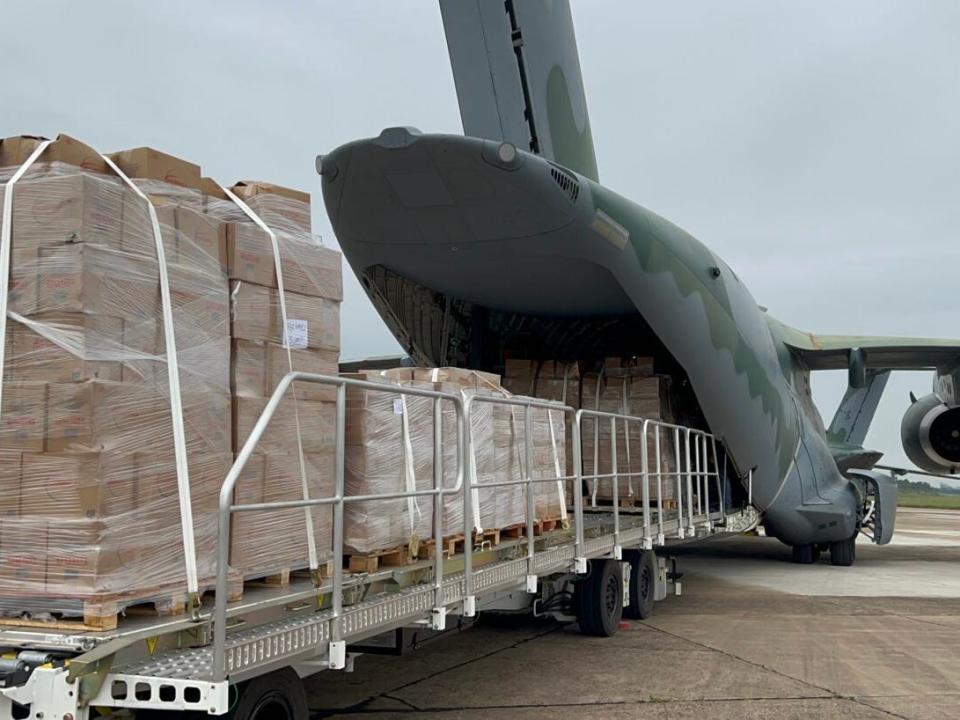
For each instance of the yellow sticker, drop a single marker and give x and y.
(152, 645)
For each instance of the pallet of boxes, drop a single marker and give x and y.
(92, 518)
(269, 338)
(390, 449)
(625, 386)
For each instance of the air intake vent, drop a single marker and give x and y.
(568, 184)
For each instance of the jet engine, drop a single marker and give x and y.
(930, 432)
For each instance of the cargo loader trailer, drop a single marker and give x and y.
(245, 659)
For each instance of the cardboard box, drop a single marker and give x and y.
(61, 209)
(64, 348)
(150, 164)
(312, 322)
(317, 431)
(249, 254)
(256, 369)
(308, 267)
(23, 559)
(212, 190)
(22, 295)
(79, 485)
(202, 241)
(137, 235)
(280, 207)
(23, 416)
(96, 416)
(10, 462)
(96, 280)
(87, 557)
(265, 542)
(14, 151)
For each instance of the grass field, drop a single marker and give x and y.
(939, 502)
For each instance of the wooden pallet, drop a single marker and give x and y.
(539, 528)
(99, 612)
(278, 578)
(624, 502)
(370, 562)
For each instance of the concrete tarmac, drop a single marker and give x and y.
(751, 636)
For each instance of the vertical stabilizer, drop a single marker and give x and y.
(518, 78)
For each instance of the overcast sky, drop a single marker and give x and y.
(813, 145)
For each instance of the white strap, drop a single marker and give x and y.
(305, 488)
(6, 233)
(173, 380)
(596, 440)
(556, 466)
(472, 464)
(409, 470)
(561, 492)
(626, 437)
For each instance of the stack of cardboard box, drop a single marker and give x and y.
(296, 456)
(625, 386)
(91, 508)
(390, 448)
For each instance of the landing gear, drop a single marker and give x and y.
(843, 553)
(806, 553)
(643, 582)
(275, 696)
(598, 598)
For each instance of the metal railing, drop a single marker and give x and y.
(692, 474)
(528, 481)
(695, 467)
(338, 499)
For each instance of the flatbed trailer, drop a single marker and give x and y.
(242, 659)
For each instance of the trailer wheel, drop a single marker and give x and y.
(843, 553)
(643, 583)
(598, 599)
(275, 696)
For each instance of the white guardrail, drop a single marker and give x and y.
(695, 467)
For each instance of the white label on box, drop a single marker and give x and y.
(296, 334)
(398, 407)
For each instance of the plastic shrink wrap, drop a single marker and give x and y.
(91, 512)
(295, 458)
(390, 449)
(624, 386)
(90, 516)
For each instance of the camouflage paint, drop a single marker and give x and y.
(572, 146)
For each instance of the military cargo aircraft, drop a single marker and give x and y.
(471, 246)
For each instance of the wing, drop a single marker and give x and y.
(832, 352)
(517, 73)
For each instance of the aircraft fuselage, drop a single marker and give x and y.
(489, 224)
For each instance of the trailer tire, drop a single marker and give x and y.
(843, 553)
(598, 599)
(275, 696)
(643, 583)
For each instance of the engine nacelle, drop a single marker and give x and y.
(930, 431)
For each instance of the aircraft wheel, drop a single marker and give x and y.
(275, 696)
(643, 580)
(843, 553)
(805, 554)
(598, 599)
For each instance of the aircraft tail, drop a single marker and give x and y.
(517, 73)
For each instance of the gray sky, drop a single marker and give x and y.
(812, 145)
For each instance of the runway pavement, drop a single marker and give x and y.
(752, 636)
